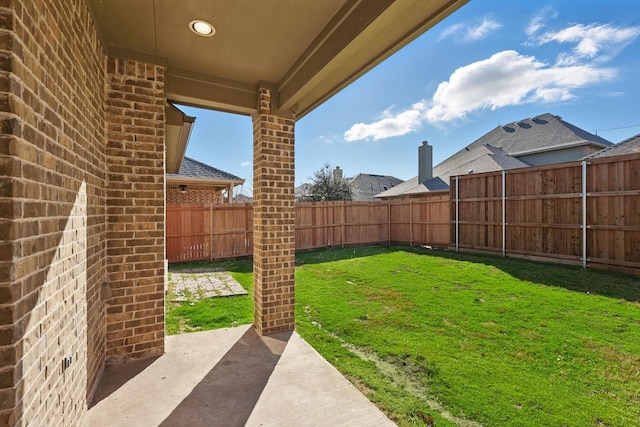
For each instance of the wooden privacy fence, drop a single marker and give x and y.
(198, 232)
(587, 212)
(580, 212)
(206, 232)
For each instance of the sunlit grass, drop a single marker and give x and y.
(465, 338)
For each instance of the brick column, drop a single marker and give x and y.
(273, 219)
(135, 209)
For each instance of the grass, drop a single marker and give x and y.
(466, 339)
(212, 313)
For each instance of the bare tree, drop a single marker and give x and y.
(328, 184)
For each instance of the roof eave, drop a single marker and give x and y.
(556, 147)
(178, 128)
(203, 182)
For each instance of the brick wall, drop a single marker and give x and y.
(273, 219)
(193, 196)
(135, 209)
(52, 215)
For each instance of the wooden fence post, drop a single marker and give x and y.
(344, 216)
(211, 231)
(584, 214)
(504, 213)
(388, 222)
(410, 222)
(457, 214)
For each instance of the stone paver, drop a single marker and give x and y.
(198, 283)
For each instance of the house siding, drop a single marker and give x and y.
(556, 156)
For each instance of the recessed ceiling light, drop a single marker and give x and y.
(202, 28)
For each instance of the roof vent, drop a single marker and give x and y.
(470, 171)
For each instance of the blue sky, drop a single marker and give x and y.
(492, 62)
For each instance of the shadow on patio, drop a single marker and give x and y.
(231, 377)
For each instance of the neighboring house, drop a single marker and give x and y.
(241, 198)
(197, 182)
(364, 186)
(535, 141)
(628, 146)
(302, 191)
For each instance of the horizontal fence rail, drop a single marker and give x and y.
(581, 212)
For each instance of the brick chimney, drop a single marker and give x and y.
(425, 162)
(337, 174)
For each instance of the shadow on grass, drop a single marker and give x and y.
(238, 265)
(574, 278)
(311, 256)
(319, 256)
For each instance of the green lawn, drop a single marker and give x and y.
(464, 339)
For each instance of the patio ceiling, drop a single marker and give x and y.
(305, 50)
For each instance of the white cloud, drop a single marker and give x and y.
(245, 163)
(328, 139)
(508, 78)
(591, 40)
(451, 30)
(471, 33)
(538, 21)
(482, 30)
(505, 79)
(390, 125)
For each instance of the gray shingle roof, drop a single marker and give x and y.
(497, 150)
(191, 168)
(536, 134)
(365, 186)
(481, 159)
(628, 146)
(302, 190)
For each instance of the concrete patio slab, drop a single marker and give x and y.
(231, 377)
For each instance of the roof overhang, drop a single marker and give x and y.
(575, 144)
(218, 184)
(305, 51)
(177, 131)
